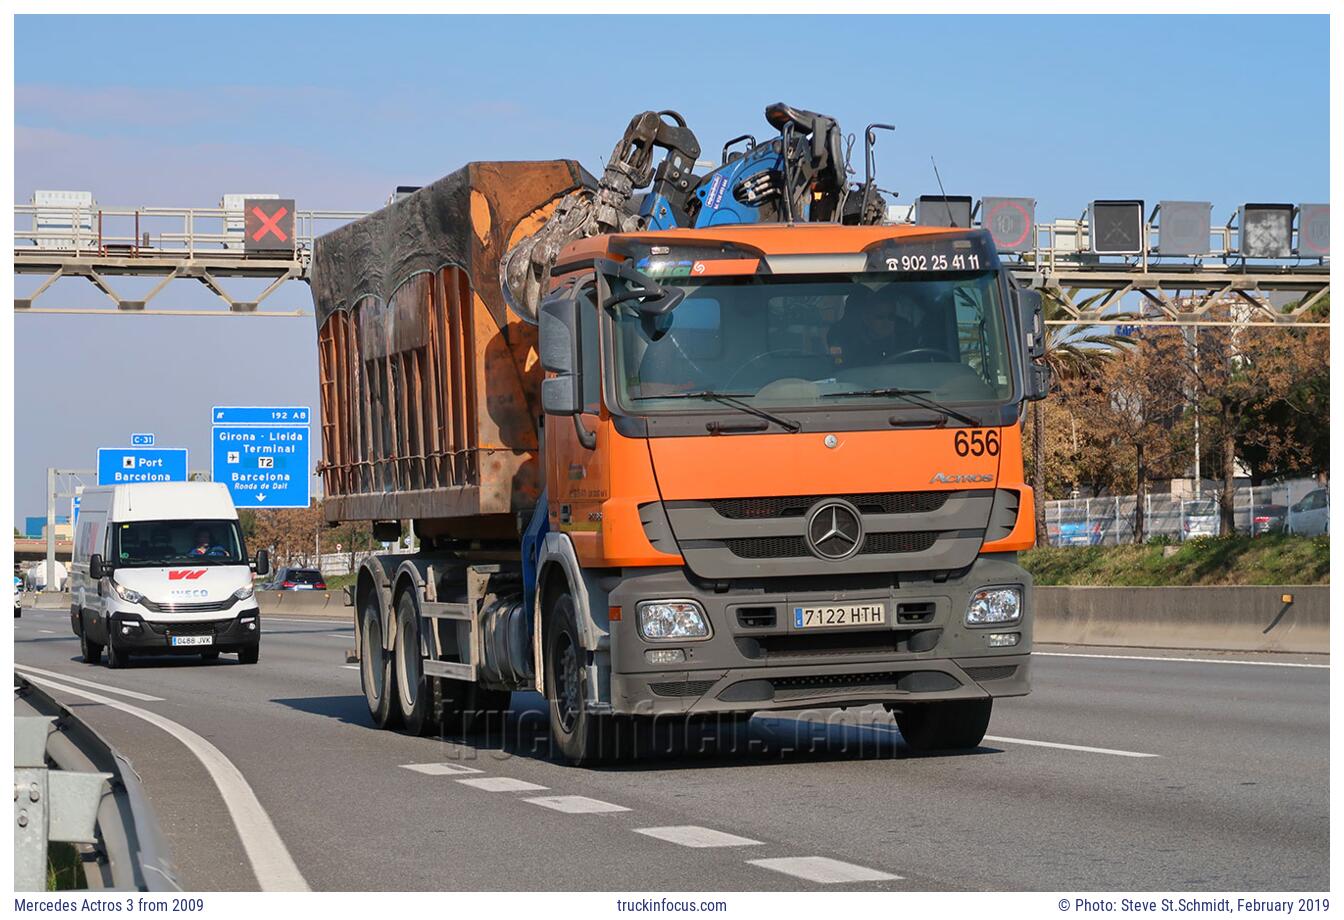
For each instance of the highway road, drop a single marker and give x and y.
(1187, 772)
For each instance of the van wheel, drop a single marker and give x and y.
(247, 655)
(375, 667)
(947, 726)
(415, 691)
(91, 651)
(116, 658)
(580, 736)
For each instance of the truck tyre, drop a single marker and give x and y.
(414, 690)
(375, 667)
(946, 726)
(116, 658)
(91, 651)
(248, 655)
(579, 735)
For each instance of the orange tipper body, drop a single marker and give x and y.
(722, 470)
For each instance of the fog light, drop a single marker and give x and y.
(125, 630)
(665, 656)
(1002, 640)
(252, 624)
(992, 606)
(672, 620)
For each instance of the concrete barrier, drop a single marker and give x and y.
(327, 604)
(1223, 618)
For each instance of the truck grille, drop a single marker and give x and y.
(796, 505)
(681, 687)
(795, 547)
(206, 607)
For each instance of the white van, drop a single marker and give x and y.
(159, 569)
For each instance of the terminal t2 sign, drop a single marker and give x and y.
(262, 455)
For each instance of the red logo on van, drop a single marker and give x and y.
(189, 574)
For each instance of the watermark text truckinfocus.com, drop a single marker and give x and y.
(669, 905)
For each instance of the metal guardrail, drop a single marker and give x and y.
(70, 785)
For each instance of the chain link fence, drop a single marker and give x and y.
(1288, 506)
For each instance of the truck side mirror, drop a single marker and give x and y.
(559, 344)
(1038, 380)
(97, 570)
(1029, 309)
(263, 564)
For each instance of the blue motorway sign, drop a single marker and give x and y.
(263, 466)
(260, 415)
(118, 465)
(142, 440)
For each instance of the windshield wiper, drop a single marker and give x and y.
(733, 401)
(916, 397)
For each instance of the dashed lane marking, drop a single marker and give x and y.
(271, 863)
(691, 835)
(28, 670)
(575, 804)
(1258, 664)
(1068, 747)
(439, 769)
(823, 870)
(502, 784)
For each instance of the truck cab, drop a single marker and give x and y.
(162, 569)
(788, 462)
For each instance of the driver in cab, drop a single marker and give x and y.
(205, 547)
(871, 331)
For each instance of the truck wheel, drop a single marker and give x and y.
(248, 655)
(948, 726)
(580, 736)
(116, 658)
(91, 651)
(375, 667)
(415, 691)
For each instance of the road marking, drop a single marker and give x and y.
(823, 869)
(271, 863)
(575, 804)
(49, 632)
(143, 697)
(346, 636)
(691, 835)
(350, 667)
(439, 769)
(304, 621)
(502, 784)
(1259, 664)
(1068, 747)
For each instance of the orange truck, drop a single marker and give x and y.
(725, 470)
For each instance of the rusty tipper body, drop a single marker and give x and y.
(731, 469)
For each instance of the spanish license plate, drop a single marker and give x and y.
(823, 615)
(192, 640)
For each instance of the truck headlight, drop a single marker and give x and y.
(243, 593)
(994, 606)
(129, 595)
(672, 620)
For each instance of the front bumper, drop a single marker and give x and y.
(138, 635)
(923, 653)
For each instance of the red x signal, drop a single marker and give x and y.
(270, 224)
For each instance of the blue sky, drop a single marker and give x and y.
(335, 111)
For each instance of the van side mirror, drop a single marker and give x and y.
(263, 564)
(97, 570)
(560, 346)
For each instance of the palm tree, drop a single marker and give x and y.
(1071, 351)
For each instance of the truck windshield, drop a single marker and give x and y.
(819, 340)
(141, 544)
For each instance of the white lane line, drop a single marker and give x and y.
(1068, 747)
(350, 667)
(49, 632)
(823, 869)
(575, 804)
(271, 863)
(304, 622)
(1258, 664)
(346, 636)
(502, 784)
(28, 670)
(439, 769)
(692, 835)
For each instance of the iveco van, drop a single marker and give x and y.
(161, 569)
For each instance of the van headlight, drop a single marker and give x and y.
(672, 620)
(994, 606)
(129, 595)
(244, 593)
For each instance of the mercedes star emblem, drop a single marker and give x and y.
(834, 530)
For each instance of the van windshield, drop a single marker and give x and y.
(142, 544)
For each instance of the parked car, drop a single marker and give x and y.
(293, 579)
(1199, 519)
(1311, 516)
(1268, 519)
